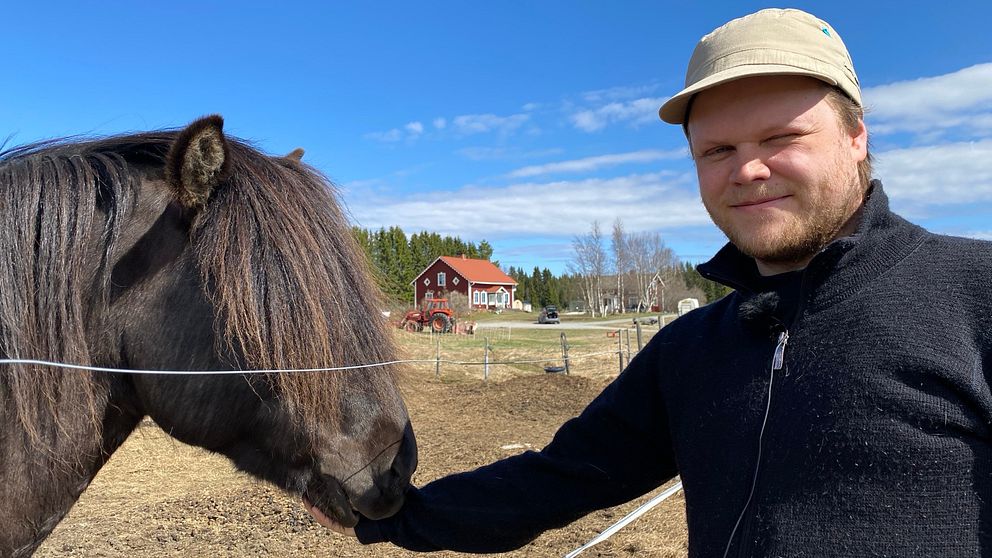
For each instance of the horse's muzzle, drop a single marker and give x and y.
(391, 473)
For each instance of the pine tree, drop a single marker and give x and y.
(712, 290)
(396, 258)
(550, 288)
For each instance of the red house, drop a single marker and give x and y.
(485, 285)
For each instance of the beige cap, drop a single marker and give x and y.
(769, 42)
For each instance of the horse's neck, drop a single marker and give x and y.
(40, 488)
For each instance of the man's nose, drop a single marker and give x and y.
(749, 168)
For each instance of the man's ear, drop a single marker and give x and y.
(859, 141)
(198, 161)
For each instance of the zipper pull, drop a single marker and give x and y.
(779, 359)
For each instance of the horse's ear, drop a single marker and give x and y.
(296, 154)
(198, 160)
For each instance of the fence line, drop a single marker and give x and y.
(565, 356)
(84, 367)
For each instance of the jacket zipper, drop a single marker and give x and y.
(778, 363)
(779, 359)
(747, 513)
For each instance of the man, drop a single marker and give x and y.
(837, 403)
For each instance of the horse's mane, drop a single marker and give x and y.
(49, 195)
(288, 279)
(289, 285)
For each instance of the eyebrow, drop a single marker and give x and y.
(792, 126)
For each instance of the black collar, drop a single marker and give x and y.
(843, 267)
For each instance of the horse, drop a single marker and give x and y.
(189, 251)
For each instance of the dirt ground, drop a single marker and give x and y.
(159, 497)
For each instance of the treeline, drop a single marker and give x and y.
(693, 280)
(649, 270)
(397, 259)
(541, 288)
(633, 271)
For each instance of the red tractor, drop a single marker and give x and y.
(434, 313)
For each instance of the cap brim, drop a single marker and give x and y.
(673, 110)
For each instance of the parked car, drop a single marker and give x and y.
(549, 315)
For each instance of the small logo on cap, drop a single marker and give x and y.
(825, 31)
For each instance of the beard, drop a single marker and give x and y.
(793, 238)
(799, 240)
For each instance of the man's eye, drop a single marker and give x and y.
(717, 151)
(781, 138)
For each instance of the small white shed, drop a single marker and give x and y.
(687, 305)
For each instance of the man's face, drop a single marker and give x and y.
(777, 172)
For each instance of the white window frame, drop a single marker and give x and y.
(441, 279)
(475, 297)
(484, 298)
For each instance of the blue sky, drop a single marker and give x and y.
(518, 123)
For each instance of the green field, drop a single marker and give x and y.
(519, 351)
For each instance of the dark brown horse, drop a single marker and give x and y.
(187, 251)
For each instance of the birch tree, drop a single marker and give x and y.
(652, 266)
(620, 260)
(589, 264)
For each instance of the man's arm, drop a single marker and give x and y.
(618, 449)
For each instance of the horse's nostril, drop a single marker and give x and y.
(405, 462)
(381, 491)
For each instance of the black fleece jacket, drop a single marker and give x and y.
(875, 432)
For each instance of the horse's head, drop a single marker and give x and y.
(227, 259)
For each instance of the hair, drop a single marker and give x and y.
(289, 285)
(51, 276)
(851, 115)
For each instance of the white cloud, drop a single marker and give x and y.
(410, 131)
(484, 153)
(979, 235)
(561, 208)
(590, 164)
(468, 124)
(931, 106)
(464, 125)
(414, 128)
(618, 93)
(506, 153)
(634, 113)
(390, 136)
(954, 173)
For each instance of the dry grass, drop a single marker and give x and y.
(159, 497)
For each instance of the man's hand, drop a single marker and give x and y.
(327, 521)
